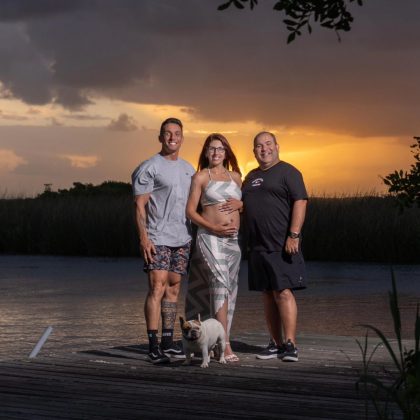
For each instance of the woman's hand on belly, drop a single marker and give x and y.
(231, 205)
(225, 229)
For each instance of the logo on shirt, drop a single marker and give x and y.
(257, 182)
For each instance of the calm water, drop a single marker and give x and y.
(95, 303)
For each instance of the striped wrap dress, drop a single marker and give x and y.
(214, 268)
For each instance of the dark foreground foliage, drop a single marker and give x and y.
(302, 14)
(365, 229)
(397, 395)
(405, 185)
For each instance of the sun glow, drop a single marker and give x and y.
(331, 163)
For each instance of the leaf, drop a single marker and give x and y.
(328, 25)
(291, 37)
(292, 14)
(253, 4)
(278, 6)
(302, 23)
(395, 312)
(387, 344)
(290, 22)
(238, 4)
(224, 6)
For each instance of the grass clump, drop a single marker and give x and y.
(399, 391)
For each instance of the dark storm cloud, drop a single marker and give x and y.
(123, 123)
(23, 9)
(223, 66)
(24, 72)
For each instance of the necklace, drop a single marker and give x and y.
(218, 173)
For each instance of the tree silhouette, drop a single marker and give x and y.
(81, 189)
(405, 186)
(330, 14)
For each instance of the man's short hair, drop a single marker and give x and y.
(169, 121)
(265, 132)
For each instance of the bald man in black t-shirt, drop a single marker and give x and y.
(275, 199)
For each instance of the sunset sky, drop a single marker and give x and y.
(85, 84)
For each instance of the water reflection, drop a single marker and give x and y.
(98, 303)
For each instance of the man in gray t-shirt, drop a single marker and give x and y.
(160, 186)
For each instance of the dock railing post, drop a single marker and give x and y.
(41, 342)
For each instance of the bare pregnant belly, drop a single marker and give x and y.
(214, 215)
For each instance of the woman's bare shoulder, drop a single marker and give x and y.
(236, 177)
(201, 176)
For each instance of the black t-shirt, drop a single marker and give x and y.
(268, 198)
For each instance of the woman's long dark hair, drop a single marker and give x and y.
(230, 162)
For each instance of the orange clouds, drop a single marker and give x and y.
(9, 160)
(81, 162)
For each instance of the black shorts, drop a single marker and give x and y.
(275, 271)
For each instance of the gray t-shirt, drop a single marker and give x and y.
(168, 182)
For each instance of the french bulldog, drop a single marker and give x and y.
(201, 337)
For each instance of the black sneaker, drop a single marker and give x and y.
(156, 356)
(270, 352)
(174, 351)
(281, 351)
(290, 353)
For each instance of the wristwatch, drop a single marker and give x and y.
(293, 235)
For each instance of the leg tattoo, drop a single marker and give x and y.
(168, 312)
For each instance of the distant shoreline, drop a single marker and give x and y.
(347, 229)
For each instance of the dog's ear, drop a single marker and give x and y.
(184, 325)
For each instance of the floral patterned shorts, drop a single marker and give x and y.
(170, 258)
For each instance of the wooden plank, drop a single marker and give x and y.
(79, 388)
(118, 382)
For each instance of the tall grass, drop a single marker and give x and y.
(364, 228)
(400, 389)
(86, 225)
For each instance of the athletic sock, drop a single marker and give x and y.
(167, 338)
(153, 339)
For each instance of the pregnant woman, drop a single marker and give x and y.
(213, 205)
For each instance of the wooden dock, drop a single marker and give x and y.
(119, 383)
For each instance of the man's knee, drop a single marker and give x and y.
(172, 290)
(157, 292)
(157, 286)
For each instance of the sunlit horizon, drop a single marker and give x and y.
(332, 164)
